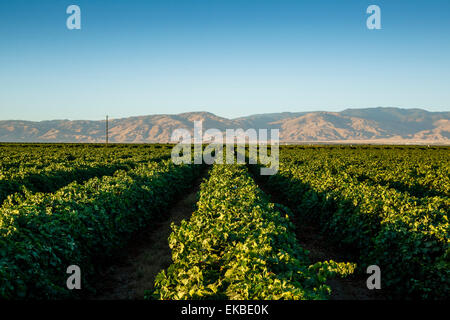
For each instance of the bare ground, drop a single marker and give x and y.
(137, 265)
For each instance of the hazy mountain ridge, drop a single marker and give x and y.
(373, 124)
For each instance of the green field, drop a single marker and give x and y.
(81, 204)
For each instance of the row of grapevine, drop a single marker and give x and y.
(407, 236)
(417, 171)
(16, 157)
(80, 224)
(50, 170)
(54, 177)
(238, 245)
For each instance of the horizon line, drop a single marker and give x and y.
(234, 118)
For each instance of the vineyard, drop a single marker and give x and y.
(388, 205)
(80, 204)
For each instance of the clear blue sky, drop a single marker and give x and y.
(228, 57)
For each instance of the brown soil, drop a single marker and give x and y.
(137, 265)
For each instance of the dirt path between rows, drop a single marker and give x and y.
(137, 265)
(320, 248)
(352, 287)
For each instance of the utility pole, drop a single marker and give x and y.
(107, 129)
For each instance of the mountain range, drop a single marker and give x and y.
(377, 125)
